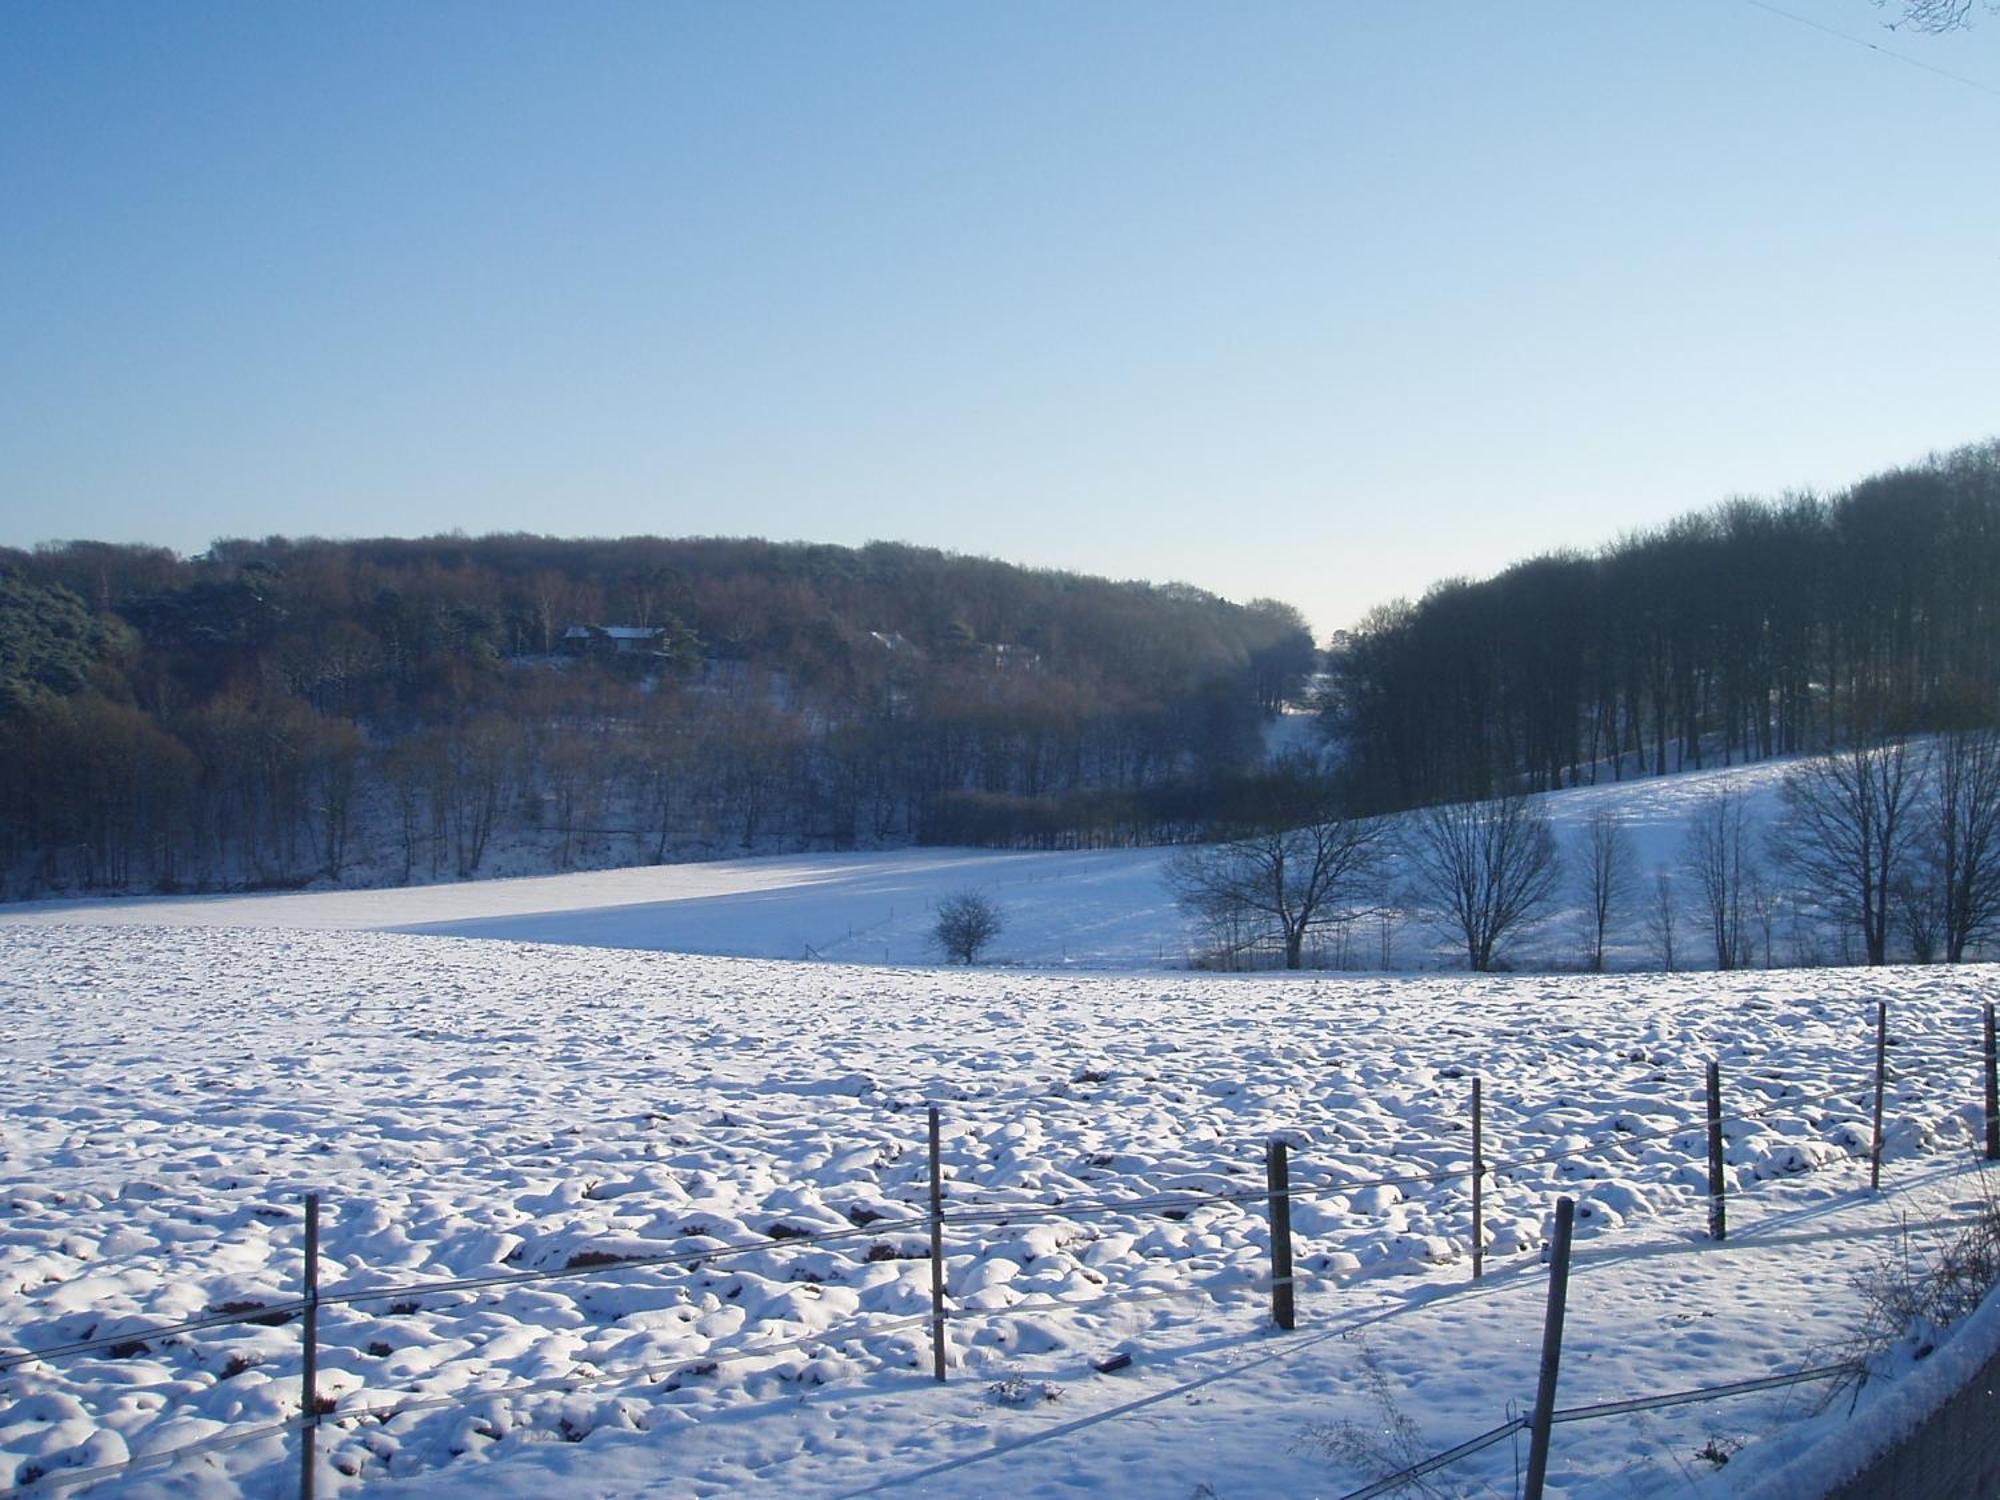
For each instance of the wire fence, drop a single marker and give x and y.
(1275, 1196)
(1390, 1483)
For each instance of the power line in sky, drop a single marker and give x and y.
(1862, 41)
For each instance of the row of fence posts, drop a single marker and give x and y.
(1277, 1170)
(1542, 1422)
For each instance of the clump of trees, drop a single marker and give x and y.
(1890, 848)
(1753, 630)
(277, 711)
(966, 926)
(1886, 835)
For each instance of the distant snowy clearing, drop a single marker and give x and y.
(475, 1109)
(1088, 909)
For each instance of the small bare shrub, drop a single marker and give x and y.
(966, 924)
(1386, 1444)
(1934, 1278)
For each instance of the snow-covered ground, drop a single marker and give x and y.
(482, 1108)
(510, 1077)
(1094, 909)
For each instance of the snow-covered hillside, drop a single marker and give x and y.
(475, 1109)
(1093, 909)
(531, 1077)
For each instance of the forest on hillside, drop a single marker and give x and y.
(1758, 628)
(277, 711)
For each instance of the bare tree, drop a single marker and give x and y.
(1920, 914)
(1484, 868)
(1934, 17)
(966, 924)
(1604, 853)
(1961, 837)
(478, 772)
(1278, 885)
(1719, 855)
(1663, 916)
(414, 767)
(332, 775)
(1763, 903)
(1847, 831)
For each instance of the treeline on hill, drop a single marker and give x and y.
(276, 711)
(1756, 629)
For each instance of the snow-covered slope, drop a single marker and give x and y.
(1094, 909)
(487, 1108)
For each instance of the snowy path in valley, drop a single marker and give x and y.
(475, 1108)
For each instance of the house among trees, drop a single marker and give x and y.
(1012, 658)
(623, 641)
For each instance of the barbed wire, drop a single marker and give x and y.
(269, 1313)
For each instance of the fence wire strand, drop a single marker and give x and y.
(57, 1479)
(1470, 1446)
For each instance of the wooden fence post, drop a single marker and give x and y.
(1881, 1068)
(1278, 1182)
(937, 1251)
(1992, 1090)
(1718, 1208)
(1543, 1421)
(1478, 1186)
(309, 1376)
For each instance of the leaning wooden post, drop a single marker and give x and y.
(1278, 1182)
(1718, 1208)
(1992, 1090)
(1478, 1187)
(937, 1251)
(1543, 1421)
(1881, 1068)
(309, 1378)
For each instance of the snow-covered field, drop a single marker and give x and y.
(507, 1078)
(475, 1108)
(1092, 910)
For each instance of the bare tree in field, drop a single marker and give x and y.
(1960, 818)
(965, 924)
(1484, 868)
(1848, 828)
(1603, 852)
(1720, 856)
(1281, 883)
(1663, 916)
(1920, 913)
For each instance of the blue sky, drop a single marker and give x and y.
(1316, 301)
